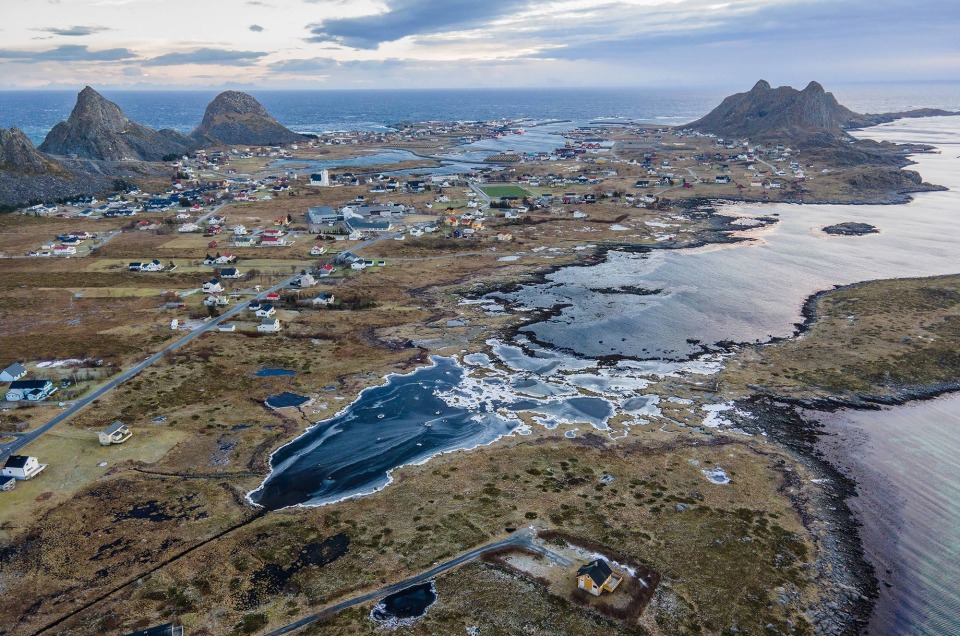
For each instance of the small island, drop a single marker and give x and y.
(851, 228)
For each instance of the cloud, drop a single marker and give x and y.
(75, 31)
(404, 18)
(67, 53)
(256, 28)
(207, 56)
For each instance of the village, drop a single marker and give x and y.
(271, 263)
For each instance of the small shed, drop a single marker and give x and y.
(7, 483)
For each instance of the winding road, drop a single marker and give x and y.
(522, 538)
(13, 447)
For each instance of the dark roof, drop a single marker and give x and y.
(230, 271)
(598, 570)
(17, 461)
(29, 384)
(113, 428)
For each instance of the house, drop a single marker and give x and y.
(318, 250)
(240, 230)
(64, 250)
(216, 300)
(597, 576)
(265, 311)
(269, 325)
(505, 237)
(272, 297)
(135, 267)
(227, 328)
(323, 299)
(152, 266)
(212, 287)
(326, 270)
(358, 265)
(244, 241)
(30, 390)
(22, 467)
(273, 241)
(230, 272)
(723, 178)
(304, 280)
(14, 372)
(116, 433)
(7, 483)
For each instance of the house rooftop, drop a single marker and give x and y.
(17, 461)
(113, 428)
(598, 570)
(16, 369)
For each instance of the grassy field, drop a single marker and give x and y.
(497, 191)
(880, 338)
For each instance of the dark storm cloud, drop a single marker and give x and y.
(412, 17)
(207, 56)
(67, 53)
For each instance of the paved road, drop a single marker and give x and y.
(15, 446)
(524, 537)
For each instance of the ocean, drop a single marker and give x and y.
(36, 112)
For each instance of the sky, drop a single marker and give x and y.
(343, 44)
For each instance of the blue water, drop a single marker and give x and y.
(35, 112)
(401, 422)
(269, 373)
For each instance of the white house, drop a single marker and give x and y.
(304, 280)
(265, 311)
(152, 266)
(212, 287)
(322, 299)
(230, 272)
(227, 328)
(116, 433)
(30, 390)
(269, 325)
(239, 230)
(64, 250)
(22, 467)
(215, 300)
(318, 250)
(14, 372)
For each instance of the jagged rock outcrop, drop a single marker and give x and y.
(237, 118)
(812, 115)
(777, 113)
(98, 129)
(18, 154)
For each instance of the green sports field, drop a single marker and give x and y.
(497, 191)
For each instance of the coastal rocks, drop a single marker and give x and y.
(850, 228)
(237, 118)
(98, 129)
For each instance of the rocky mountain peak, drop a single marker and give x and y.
(237, 103)
(98, 129)
(779, 113)
(237, 118)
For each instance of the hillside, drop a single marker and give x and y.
(98, 129)
(237, 118)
